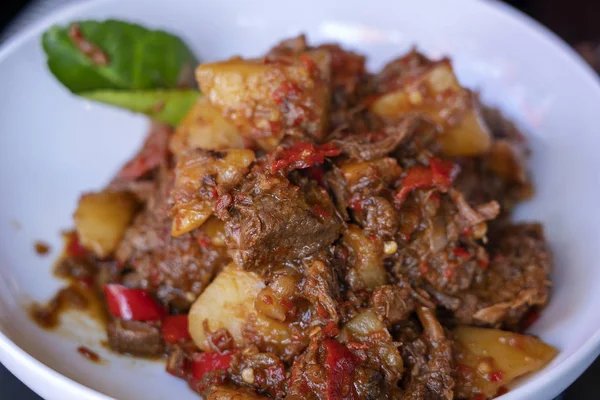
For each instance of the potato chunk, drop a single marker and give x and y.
(192, 195)
(366, 259)
(205, 128)
(437, 93)
(102, 218)
(366, 325)
(228, 303)
(265, 97)
(490, 358)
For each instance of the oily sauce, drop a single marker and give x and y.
(88, 354)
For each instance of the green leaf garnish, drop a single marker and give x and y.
(124, 64)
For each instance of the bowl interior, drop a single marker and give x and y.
(54, 146)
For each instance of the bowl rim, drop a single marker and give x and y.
(17, 360)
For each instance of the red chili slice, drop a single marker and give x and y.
(444, 172)
(152, 154)
(74, 247)
(416, 177)
(132, 304)
(320, 212)
(459, 252)
(207, 362)
(440, 173)
(175, 329)
(495, 376)
(302, 155)
(285, 90)
(341, 364)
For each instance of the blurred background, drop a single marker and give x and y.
(576, 21)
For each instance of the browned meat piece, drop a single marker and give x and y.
(441, 248)
(393, 303)
(272, 220)
(366, 188)
(322, 289)
(289, 47)
(177, 268)
(372, 145)
(362, 362)
(263, 372)
(516, 279)
(135, 337)
(350, 83)
(429, 359)
(398, 71)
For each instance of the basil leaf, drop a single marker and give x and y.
(168, 106)
(143, 71)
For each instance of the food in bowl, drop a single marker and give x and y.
(304, 228)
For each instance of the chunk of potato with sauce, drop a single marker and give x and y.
(488, 359)
(365, 324)
(190, 208)
(102, 218)
(367, 257)
(205, 128)
(251, 94)
(228, 303)
(437, 94)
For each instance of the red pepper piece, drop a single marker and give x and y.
(175, 329)
(459, 252)
(484, 261)
(152, 154)
(495, 376)
(207, 362)
(302, 155)
(320, 212)
(132, 304)
(449, 271)
(308, 63)
(203, 240)
(356, 204)
(331, 329)
(74, 247)
(285, 90)
(423, 267)
(440, 173)
(341, 364)
(443, 172)
(416, 177)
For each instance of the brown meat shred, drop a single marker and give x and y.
(516, 280)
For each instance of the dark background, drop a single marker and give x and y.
(576, 21)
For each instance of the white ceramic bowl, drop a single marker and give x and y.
(53, 146)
